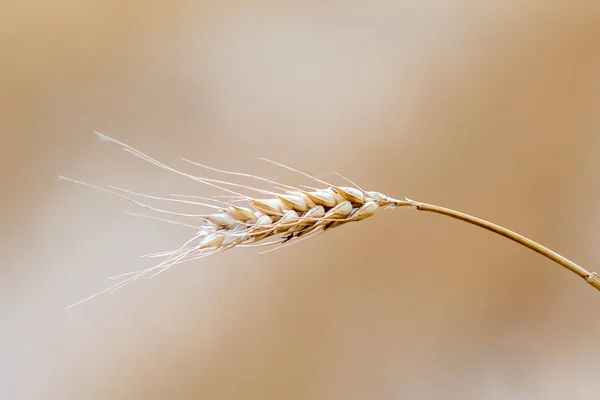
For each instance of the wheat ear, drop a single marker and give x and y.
(288, 215)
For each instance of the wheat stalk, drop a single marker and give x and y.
(286, 216)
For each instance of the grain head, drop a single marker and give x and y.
(252, 217)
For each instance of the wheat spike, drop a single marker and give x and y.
(286, 217)
(280, 219)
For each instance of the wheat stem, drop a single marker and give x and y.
(591, 278)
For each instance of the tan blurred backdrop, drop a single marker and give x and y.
(491, 108)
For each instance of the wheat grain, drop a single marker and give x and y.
(285, 217)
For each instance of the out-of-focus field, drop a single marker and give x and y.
(488, 107)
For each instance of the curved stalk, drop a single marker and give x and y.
(591, 278)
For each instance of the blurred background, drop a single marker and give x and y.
(489, 107)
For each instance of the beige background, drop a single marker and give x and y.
(489, 108)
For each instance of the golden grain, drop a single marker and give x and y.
(284, 217)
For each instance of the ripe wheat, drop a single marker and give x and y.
(288, 215)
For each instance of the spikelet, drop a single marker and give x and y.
(263, 221)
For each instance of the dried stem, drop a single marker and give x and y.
(590, 277)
